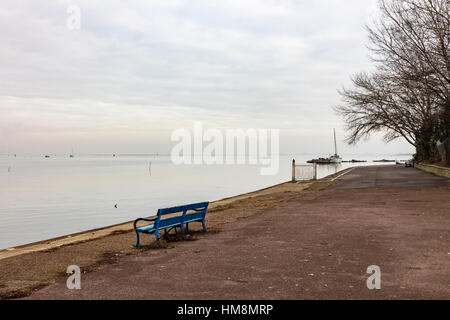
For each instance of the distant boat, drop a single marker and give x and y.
(334, 159)
(46, 156)
(72, 155)
(355, 161)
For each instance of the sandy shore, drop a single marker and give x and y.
(93, 234)
(26, 268)
(292, 241)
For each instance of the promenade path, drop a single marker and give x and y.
(310, 245)
(387, 176)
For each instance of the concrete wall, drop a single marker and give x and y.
(439, 171)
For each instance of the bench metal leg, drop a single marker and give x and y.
(158, 239)
(137, 240)
(204, 225)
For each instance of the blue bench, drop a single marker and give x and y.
(172, 218)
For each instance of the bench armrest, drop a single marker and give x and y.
(143, 219)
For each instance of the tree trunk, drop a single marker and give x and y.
(444, 151)
(444, 146)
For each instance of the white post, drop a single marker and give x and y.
(315, 171)
(293, 170)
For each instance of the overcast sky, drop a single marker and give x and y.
(137, 70)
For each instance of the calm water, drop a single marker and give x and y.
(46, 198)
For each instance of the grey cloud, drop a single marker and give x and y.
(169, 62)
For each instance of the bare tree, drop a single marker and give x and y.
(408, 94)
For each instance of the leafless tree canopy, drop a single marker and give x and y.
(408, 94)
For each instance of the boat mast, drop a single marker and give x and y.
(335, 144)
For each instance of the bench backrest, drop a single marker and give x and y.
(165, 216)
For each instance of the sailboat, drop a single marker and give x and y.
(335, 158)
(72, 155)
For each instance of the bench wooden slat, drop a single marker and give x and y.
(193, 216)
(146, 228)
